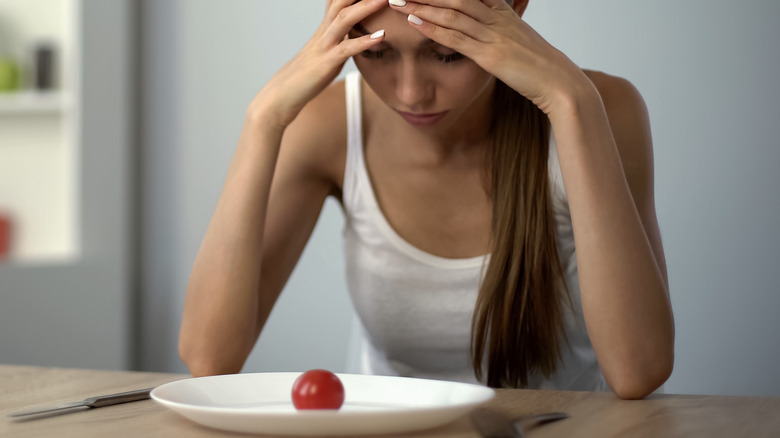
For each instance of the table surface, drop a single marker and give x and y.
(592, 414)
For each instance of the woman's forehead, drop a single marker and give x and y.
(393, 22)
(398, 32)
(383, 16)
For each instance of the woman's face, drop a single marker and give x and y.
(431, 86)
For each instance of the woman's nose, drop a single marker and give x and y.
(414, 90)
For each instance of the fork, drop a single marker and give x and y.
(493, 424)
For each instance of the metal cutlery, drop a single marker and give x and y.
(92, 402)
(493, 424)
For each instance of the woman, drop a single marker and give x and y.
(477, 158)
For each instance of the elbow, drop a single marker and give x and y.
(637, 381)
(202, 364)
(205, 368)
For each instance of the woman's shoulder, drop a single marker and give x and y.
(318, 134)
(616, 92)
(628, 117)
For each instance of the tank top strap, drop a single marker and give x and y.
(352, 168)
(557, 189)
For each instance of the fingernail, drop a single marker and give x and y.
(414, 19)
(399, 3)
(378, 34)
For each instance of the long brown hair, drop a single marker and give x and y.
(517, 323)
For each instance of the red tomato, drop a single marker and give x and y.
(317, 389)
(5, 235)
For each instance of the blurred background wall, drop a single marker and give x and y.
(707, 70)
(203, 61)
(67, 184)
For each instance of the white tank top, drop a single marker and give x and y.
(415, 308)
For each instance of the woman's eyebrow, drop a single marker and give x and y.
(360, 29)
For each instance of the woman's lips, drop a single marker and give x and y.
(422, 119)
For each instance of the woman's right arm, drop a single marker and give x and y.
(223, 284)
(229, 297)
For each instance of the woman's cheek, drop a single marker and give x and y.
(377, 77)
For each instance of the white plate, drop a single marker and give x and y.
(261, 403)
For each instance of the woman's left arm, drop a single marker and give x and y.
(602, 132)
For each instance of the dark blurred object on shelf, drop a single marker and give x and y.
(44, 60)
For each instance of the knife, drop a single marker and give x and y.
(93, 402)
(493, 424)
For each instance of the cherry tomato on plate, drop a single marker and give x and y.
(317, 389)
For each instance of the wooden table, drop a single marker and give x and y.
(592, 414)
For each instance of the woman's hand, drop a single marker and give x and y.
(318, 62)
(493, 35)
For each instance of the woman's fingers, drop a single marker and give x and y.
(334, 6)
(353, 46)
(347, 17)
(454, 39)
(450, 19)
(458, 29)
(497, 4)
(475, 9)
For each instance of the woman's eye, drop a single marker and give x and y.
(449, 57)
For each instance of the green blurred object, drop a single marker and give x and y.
(9, 75)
